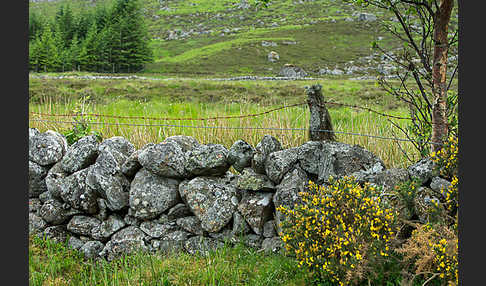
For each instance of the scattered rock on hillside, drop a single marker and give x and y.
(292, 71)
(273, 57)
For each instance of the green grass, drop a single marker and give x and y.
(55, 264)
(193, 98)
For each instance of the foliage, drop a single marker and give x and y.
(99, 39)
(81, 126)
(446, 158)
(341, 231)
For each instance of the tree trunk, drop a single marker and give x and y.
(319, 116)
(439, 73)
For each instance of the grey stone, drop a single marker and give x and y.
(83, 225)
(269, 229)
(240, 226)
(366, 17)
(267, 145)
(191, 224)
(131, 220)
(34, 205)
(91, 249)
(54, 179)
(81, 154)
(155, 229)
(77, 193)
(173, 242)
(125, 241)
(131, 165)
(250, 180)
(47, 148)
(287, 193)
(256, 208)
(75, 243)
(210, 200)
(117, 144)
(439, 185)
(292, 72)
(389, 178)
(45, 196)
(423, 170)
(37, 183)
(108, 227)
(54, 212)
(151, 195)
(178, 211)
(36, 224)
(240, 155)
(187, 143)
(280, 162)
(253, 241)
(56, 233)
(272, 244)
(201, 245)
(207, 160)
(164, 159)
(273, 57)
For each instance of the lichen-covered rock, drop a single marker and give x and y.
(164, 159)
(81, 154)
(210, 200)
(207, 160)
(269, 229)
(83, 225)
(389, 178)
(47, 148)
(155, 229)
(202, 245)
(77, 193)
(256, 208)
(240, 226)
(108, 227)
(267, 145)
(36, 224)
(54, 212)
(439, 185)
(45, 196)
(187, 143)
(132, 165)
(75, 243)
(34, 205)
(423, 170)
(279, 163)
(191, 224)
(91, 249)
(374, 173)
(125, 241)
(272, 244)
(173, 242)
(56, 233)
(240, 155)
(178, 211)
(37, 183)
(287, 193)
(54, 179)
(117, 144)
(250, 180)
(253, 241)
(151, 195)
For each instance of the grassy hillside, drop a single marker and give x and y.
(225, 37)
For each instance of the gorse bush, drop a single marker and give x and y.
(341, 231)
(433, 247)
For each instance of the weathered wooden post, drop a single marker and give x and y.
(319, 116)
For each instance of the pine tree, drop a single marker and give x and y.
(48, 53)
(89, 54)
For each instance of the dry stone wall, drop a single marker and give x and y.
(107, 198)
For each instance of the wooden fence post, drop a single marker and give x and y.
(319, 116)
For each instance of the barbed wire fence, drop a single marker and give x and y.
(84, 115)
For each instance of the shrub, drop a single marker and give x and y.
(341, 231)
(446, 158)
